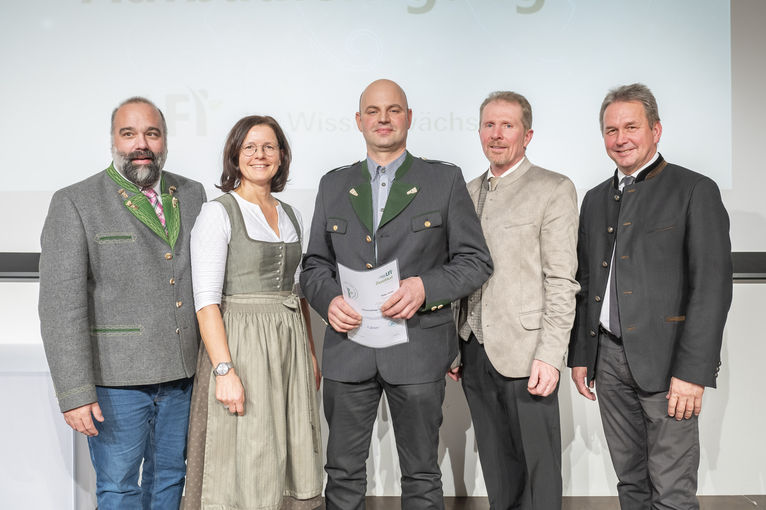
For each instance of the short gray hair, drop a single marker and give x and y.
(139, 99)
(511, 97)
(633, 92)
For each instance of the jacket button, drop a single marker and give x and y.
(617, 198)
(368, 265)
(427, 224)
(368, 239)
(168, 256)
(604, 264)
(172, 281)
(592, 333)
(597, 298)
(179, 303)
(610, 229)
(178, 331)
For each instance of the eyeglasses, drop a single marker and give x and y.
(269, 149)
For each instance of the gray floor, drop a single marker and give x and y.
(582, 503)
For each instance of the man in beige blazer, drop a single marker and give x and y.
(516, 327)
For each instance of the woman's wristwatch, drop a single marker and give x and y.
(223, 368)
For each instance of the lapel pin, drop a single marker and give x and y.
(122, 193)
(175, 202)
(172, 189)
(412, 191)
(353, 192)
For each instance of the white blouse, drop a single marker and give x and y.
(210, 244)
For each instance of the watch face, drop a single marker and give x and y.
(222, 368)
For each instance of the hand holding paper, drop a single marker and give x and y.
(366, 292)
(405, 301)
(341, 316)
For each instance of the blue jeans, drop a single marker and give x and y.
(141, 423)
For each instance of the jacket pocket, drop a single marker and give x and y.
(433, 319)
(531, 320)
(336, 225)
(116, 330)
(115, 237)
(427, 221)
(518, 223)
(663, 226)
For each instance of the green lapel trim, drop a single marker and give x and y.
(120, 180)
(172, 209)
(140, 207)
(400, 195)
(361, 198)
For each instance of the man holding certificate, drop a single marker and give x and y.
(414, 213)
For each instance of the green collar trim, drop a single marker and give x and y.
(400, 194)
(140, 207)
(405, 167)
(360, 195)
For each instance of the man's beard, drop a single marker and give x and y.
(140, 175)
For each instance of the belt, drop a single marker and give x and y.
(609, 334)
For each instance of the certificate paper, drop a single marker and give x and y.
(365, 292)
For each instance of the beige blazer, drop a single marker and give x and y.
(528, 304)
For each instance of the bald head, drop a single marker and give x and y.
(384, 118)
(383, 86)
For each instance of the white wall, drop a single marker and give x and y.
(44, 461)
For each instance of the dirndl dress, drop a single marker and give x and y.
(270, 458)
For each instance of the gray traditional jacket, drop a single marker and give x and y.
(116, 304)
(430, 227)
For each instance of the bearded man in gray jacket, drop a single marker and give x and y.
(116, 312)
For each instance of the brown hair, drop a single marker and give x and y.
(633, 92)
(511, 97)
(231, 175)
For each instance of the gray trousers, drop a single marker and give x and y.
(518, 435)
(655, 456)
(416, 413)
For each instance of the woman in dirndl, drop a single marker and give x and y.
(254, 437)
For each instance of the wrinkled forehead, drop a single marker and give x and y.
(625, 110)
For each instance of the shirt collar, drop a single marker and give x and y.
(391, 168)
(507, 172)
(649, 163)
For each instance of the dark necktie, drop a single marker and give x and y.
(614, 309)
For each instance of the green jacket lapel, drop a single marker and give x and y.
(172, 210)
(400, 195)
(140, 207)
(360, 195)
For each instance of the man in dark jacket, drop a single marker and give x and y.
(655, 271)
